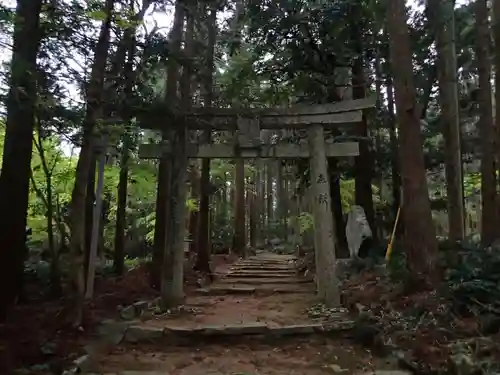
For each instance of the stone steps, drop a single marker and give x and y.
(259, 275)
(278, 262)
(193, 335)
(264, 290)
(261, 281)
(261, 271)
(290, 273)
(264, 267)
(262, 275)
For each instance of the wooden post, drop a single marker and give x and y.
(328, 287)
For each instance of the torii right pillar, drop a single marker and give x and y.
(324, 240)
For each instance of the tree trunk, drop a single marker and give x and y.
(489, 217)
(239, 238)
(442, 16)
(281, 201)
(172, 285)
(79, 194)
(239, 242)
(421, 242)
(496, 36)
(18, 144)
(163, 191)
(121, 209)
(269, 189)
(252, 216)
(391, 124)
(90, 199)
(203, 232)
(364, 163)
(260, 203)
(341, 248)
(97, 222)
(194, 179)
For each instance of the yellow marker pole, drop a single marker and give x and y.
(393, 235)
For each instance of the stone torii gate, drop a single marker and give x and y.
(247, 123)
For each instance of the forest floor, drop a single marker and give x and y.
(38, 338)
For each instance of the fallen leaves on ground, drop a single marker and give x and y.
(422, 324)
(37, 336)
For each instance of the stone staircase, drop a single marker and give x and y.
(262, 274)
(255, 314)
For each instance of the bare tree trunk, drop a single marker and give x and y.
(89, 209)
(18, 144)
(281, 189)
(395, 175)
(421, 242)
(172, 286)
(239, 243)
(337, 212)
(203, 232)
(259, 200)
(364, 163)
(442, 16)
(252, 216)
(121, 213)
(269, 190)
(496, 36)
(164, 175)
(489, 217)
(78, 197)
(193, 219)
(97, 223)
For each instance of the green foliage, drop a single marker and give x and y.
(306, 222)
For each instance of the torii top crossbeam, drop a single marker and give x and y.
(293, 117)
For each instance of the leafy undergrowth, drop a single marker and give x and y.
(38, 337)
(453, 327)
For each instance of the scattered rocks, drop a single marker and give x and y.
(177, 310)
(320, 311)
(82, 364)
(127, 313)
(135, 310)
(143, 333)
(112, 332)
(336, 369)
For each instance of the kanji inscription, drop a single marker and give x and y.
(321, 179)
(323, 198)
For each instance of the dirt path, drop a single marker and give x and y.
(252, 321)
